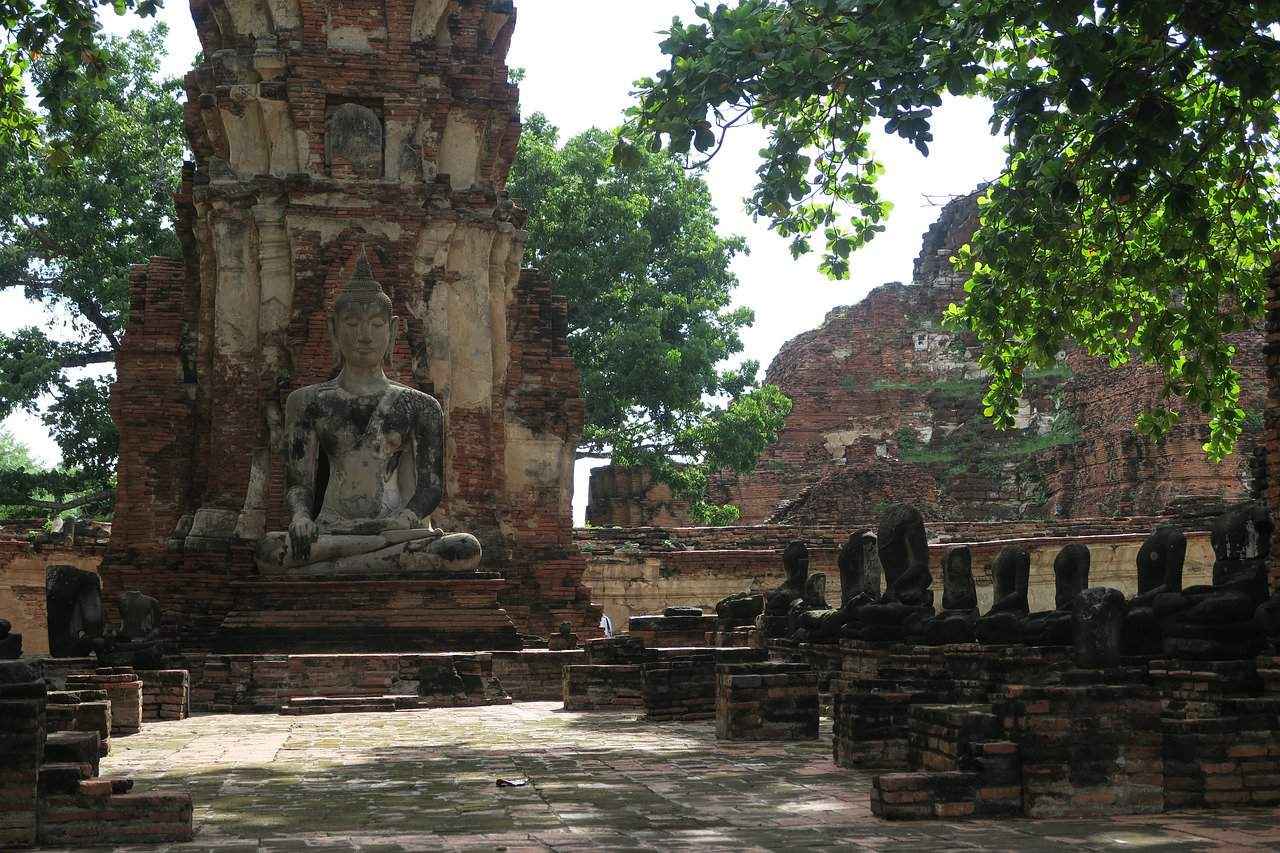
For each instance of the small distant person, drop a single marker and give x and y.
(606, 625)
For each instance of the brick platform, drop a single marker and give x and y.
(766, 701)
(681, 685)
(166, 694)
(124, 692)
(535, 675)
(241, 684)
(81, 711)
(603, 687)
(672, 631)
(441, 614)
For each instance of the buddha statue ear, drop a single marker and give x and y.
(332, 323)
(393, 334)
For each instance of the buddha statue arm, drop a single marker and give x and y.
(300, 472)
(429, 458)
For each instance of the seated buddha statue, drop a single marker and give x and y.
(1159, 562)
(903, 551)
(1070, 578)
(1002, 624)
(959, 601)
(364, 461)
(1219, 622)
(136, 643)
(859, 586)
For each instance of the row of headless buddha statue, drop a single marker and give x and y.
(1232, 618)
(78, 626)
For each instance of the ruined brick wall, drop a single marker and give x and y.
(628, 497)
(887, 407)
(320, 131)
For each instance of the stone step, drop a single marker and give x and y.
(310, 705)
(102, 813)
(73, 747)
(63, 777)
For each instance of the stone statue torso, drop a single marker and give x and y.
(370, 447)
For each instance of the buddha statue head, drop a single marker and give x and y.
(362, 326)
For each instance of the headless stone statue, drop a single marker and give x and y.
(959, 601)
(381, 446)
(1012, 574)
(1070, 577)
(904, 557)
(73, 600)
(1219, 622)
(859, 586)
(1160, 562)
(10, 642)
(773, 622)
(137, 641)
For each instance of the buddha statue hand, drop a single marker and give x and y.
(302, 533)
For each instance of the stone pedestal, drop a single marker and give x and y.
(663, 631)
(81, 711)
(22, 734)
(457, 612)
(124, 692)
(766, 701)
(166, 694)
(603, 687)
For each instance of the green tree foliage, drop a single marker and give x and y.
(649, 289)
(63, 37)
(1137, 211)
(67, 238)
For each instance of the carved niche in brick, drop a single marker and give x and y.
(353, 145)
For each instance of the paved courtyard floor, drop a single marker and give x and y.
(426, 780)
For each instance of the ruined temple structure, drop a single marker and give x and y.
(321, 132)
(888, 408)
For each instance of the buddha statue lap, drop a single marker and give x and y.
(903, 551)
(1219, 622)
(1002, 624)
(364, 462)
(1160, 561)
(959, 602)
(1070, 577)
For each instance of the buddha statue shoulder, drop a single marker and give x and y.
(364, 461)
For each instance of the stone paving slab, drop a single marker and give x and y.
(425, 781)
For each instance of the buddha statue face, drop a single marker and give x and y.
(362, 333)
(361, 325)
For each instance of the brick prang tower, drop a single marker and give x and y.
(320, 130)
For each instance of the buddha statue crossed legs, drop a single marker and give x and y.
(364, 461)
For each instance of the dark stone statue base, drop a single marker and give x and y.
(999, 629)
(1217, 642)
(950, 627)
(11, 647)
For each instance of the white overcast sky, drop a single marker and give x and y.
(581, 57)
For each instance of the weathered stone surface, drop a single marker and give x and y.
(1002, 624)
(1096, 618)
(75, 617)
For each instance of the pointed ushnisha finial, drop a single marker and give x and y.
(363, 288)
